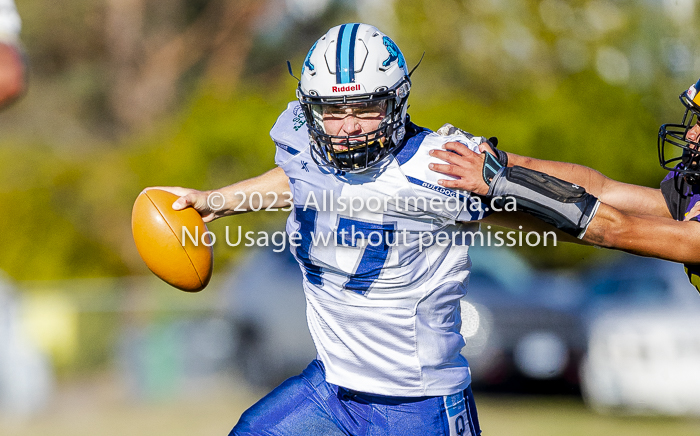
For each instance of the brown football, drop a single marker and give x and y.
(158, 233)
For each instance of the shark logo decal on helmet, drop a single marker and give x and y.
(394, 53)
(307, 61)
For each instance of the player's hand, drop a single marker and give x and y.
(464, 164)
(198, 200)
(692, 213)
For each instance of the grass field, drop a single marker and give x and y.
(102, 408)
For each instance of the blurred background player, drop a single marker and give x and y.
(382, 301)
(631, 217)
(12, 68)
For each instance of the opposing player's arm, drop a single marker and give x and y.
(578, 213)
(625, 197)
(467, 166)
(267, 191)
(665, 238)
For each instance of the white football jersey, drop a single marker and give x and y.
(10, 23)
(385, 263)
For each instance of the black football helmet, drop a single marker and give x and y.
(676, 153)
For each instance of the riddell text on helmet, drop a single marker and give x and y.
(348, 88)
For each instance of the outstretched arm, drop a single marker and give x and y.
(664, 238)
(574, 210)
(628, 198)
(273, 188)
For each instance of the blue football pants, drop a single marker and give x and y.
(307, 405)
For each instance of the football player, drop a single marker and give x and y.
(382, 287)
(642, 220)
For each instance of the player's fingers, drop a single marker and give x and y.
(485, 147)
(458, 148)
(451, 170)
(447, 183)
(453, 158)
(187, 197)
(446, 156)
(182, 202)
(196, 200)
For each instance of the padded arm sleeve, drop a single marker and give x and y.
(566, 206)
